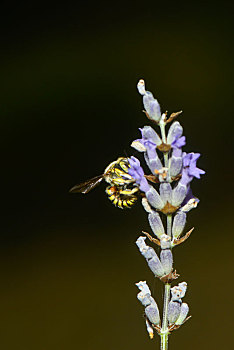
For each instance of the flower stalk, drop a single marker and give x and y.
(164, 333)
(174, 199)
(165, 192)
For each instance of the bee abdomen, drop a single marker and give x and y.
(118, 200)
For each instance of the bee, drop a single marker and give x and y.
(121, 190)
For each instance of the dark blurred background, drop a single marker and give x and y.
(69, 106)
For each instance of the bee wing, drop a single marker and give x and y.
(87, 186)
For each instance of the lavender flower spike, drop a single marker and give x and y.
(167, 193)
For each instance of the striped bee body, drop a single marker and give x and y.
(122, 198)
(118, 192)
(122, 190)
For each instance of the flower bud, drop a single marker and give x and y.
(141, 87)
(151, 257)
(178, 194)
(183, 287)
(166, 257)
(144, 298)
(175, 165)
(147, 144)
(151, 135)
(150, 254)
(154, 110)
(183, 314)
(154, 198)
(151, 106)
(147, 99)
(166, 260)
(156, 224)
(144, 249)
(152, 160)
(173, 311)
(151, 309)
(174, 307)
(156, 266)
(178, 224)
(143, 286)
(152, 312)
(165, 192)
(175, 131)
(178, 292)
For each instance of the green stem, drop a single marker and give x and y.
(163, 131)
(164, 330)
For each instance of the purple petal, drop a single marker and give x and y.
(178, 143)
(137, 173)
(189, 163)
(186, 178)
